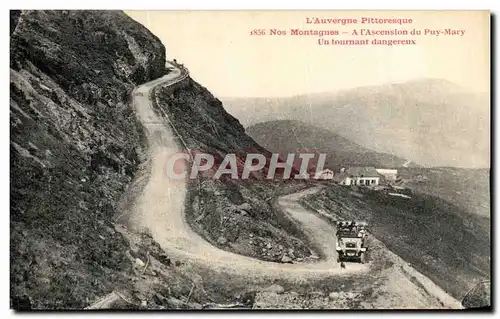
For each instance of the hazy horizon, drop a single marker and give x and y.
(336, 91)
(217, 48)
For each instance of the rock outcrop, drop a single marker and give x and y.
(75, 144)
(237, 215)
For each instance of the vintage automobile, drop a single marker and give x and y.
(351, 241)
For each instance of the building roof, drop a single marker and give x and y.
(387, 171)
(362, 172)
(326, 170)
(339, 177)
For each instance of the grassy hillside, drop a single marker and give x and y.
(287, 136)
(468, 189)
(431, 122)
(441, 240)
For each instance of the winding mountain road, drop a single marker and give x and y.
(160, 209)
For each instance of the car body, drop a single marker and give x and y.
(351, 242)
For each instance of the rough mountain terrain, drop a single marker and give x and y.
(468, 189)
(229, 213)
(386, 282)
(95, 223)
(441, 240)
(75, 145)
(289, 136)
(431, 122)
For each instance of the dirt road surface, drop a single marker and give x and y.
(160, 209)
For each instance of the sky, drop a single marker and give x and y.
(220, 53)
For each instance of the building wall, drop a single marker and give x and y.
(370, 181)
(326, 174)
(346, 181)
(389, 174)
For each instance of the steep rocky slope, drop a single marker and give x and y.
(288, 136)
(75, 144)
(233, 214)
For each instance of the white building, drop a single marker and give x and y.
(326, 174)
(389, 174)
(362, 176)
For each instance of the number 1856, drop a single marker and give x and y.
(258, 32)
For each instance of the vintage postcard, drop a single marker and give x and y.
(165, 160)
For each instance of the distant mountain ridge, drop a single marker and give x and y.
(288, 136)
(431, 122)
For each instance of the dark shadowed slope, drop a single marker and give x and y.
(75, 144)
(289, 136)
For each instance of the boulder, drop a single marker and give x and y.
(334, 295)
(139, 262)
(286, 259)
(351, 295)
(163, 258)
(275, 288)
(221, 240)
(245, 207)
